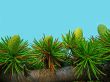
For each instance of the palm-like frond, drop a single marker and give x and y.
(71, 43)
(69, 40)
(13, 52)
(50, 51)
(90, 56)
(104, 39)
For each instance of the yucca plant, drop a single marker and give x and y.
(13, 53)
(71, 41)
(90, 56)
(50, 51)
(104, 39)
(104, 36)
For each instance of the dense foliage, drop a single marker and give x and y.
(13, 53)
(86, 56)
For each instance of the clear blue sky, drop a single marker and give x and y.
(31, 18)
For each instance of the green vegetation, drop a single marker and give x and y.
(49, 51)
(86, 56)
(13, 53)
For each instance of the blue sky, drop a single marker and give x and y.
(31, 18)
